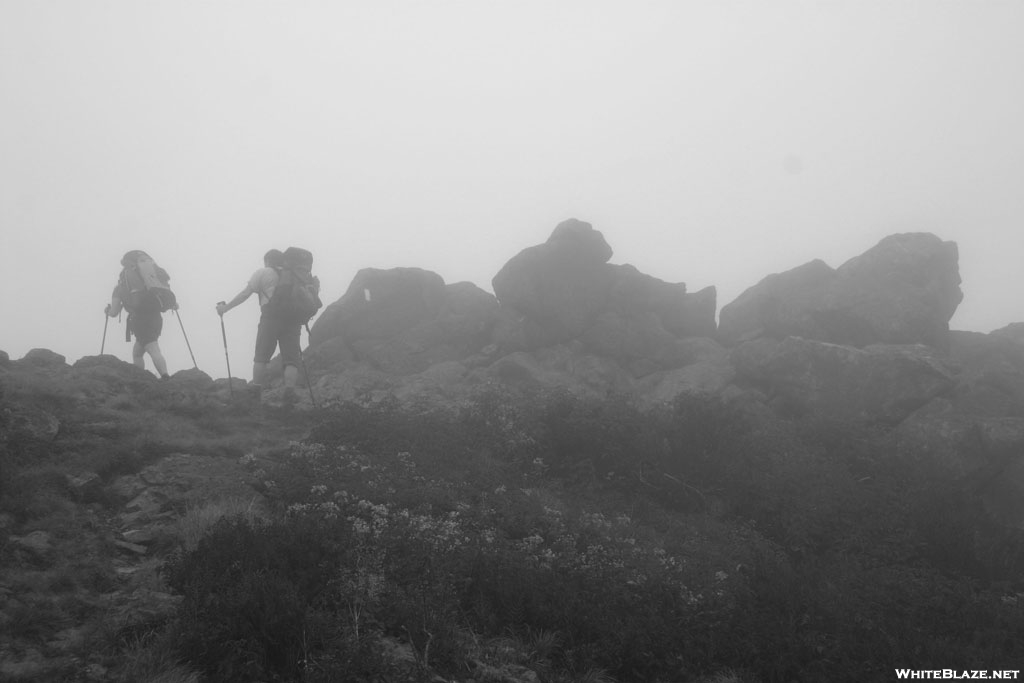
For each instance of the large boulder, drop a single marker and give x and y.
(904, 290)
(564, 290)
(379, 304)
(402, 321)
(779, 306)
(460, 329)
(878, 384)
(561, 285)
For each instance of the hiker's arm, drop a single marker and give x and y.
(116, 304)
(239, 298)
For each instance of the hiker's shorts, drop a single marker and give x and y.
(146, 326)
(274, 332)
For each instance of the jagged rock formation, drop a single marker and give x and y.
(564, 290)
(402, 321)
(867, 342)
(904, 290)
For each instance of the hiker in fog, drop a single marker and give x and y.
(142, 289)
(274, 329)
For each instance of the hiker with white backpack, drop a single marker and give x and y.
(143, 290)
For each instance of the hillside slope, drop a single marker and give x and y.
(175, 531)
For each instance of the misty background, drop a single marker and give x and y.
(711, 142)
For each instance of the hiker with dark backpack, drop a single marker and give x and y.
(289, 295)
(143, 290)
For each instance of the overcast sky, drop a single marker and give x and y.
(711, 142)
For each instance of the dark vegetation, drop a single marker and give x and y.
(584, 540)
(658, 546)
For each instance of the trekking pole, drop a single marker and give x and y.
(309, 382)
(224, 336)
(186, 339)
(106, 320)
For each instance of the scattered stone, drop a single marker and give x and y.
(96, 672)
(127, 487)
(508, 673)
(86, 487)
(68, 639)
(38, 543)
(143, 536)
(148, 503)
(131, 547)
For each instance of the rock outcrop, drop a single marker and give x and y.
(557, 289)
(564, 290)
(401, 321)
(866, 346)
(865, 343)
(904, 290)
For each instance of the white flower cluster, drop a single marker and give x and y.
(326, 510)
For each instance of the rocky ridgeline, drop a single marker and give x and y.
(867, 342)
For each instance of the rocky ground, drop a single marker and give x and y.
(107, 471)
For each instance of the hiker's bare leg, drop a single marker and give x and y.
(153, 349)
(291, 374)
(138, 359)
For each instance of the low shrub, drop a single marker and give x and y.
(577, 536)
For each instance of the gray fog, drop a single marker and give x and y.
(711, 142)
